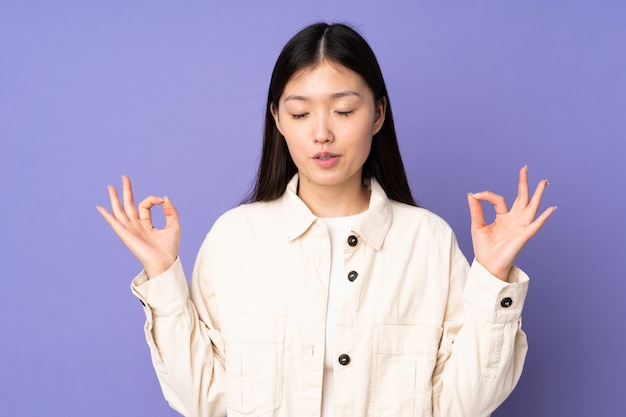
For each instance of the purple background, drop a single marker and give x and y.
(172, 94)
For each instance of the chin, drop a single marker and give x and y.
(331, 180)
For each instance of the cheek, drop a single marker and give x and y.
(296, 134)
(290, 129)
(361, 139)
(294, 148)
(366, 149)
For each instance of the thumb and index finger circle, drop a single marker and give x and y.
(144, 207)
(498, 202)
(170, 212)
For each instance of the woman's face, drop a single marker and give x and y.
(328, 117)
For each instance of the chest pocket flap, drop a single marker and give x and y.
(403, 364)
(254, 362)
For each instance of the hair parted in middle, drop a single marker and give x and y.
(339, 44)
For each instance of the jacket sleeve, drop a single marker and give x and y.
(483, 348)
(186, 346)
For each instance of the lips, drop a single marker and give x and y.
(325, 159)
(324, 156)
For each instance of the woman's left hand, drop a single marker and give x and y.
(496, 245)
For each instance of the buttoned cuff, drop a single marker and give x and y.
(491, 298)
(163, 294)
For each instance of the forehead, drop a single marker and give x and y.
(325, 78)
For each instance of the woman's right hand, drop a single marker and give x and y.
(156, 249)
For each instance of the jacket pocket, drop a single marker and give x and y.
(403, 364)
(254, 363)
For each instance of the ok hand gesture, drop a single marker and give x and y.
(496, 245)
(156, 249)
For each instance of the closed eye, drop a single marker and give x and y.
(345, 113)
(298, 116)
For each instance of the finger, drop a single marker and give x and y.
(533, 206)
(145, 216)
(107, 216)
(498, 202)
(522, 188)
(170, 213)
(127, 195)
(540, 221)
(111, 220)
(116, 208)
(476, 212)
(123, 231)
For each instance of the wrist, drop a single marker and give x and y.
(152, 271)
(500, 272)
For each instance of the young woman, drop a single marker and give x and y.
(331, 293)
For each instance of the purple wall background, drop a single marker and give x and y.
(173, 96)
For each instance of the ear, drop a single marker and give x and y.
(274, 111)
(379, 117)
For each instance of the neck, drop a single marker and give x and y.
(336, 200)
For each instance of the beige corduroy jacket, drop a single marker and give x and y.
(419, 332)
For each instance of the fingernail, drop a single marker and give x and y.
(547, 182)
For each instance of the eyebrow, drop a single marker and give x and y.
(332, 96)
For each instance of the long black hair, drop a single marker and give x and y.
(340, 44)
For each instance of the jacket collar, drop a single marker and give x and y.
(372, 227)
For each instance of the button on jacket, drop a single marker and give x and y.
(419, 332)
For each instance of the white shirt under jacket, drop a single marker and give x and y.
(418, 332)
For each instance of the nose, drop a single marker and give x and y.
(323, 132)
